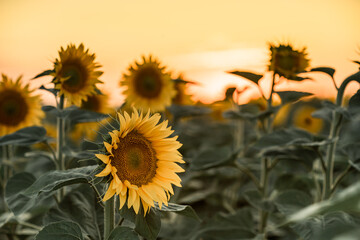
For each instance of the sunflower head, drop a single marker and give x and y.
(181, 98)
(286, 61)
(302, 118)
(75, 73)
(141, 161)
(148, 86)
(19, 108)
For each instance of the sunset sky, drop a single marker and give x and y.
(201, 39)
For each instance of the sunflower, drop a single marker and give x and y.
(302, 118)
(97, 103)
(286, 61)
(181, 98)
(19, 108)
(142, 161)
(282, 115)
(148, 86)
(75, 73)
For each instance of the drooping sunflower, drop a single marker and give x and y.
(97, 103)
(286, 61)
(302, 118)
(19, 108)
(148, 86)
(181, 97)
(142, 161)
(75, 73)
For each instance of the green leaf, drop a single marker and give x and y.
(64, 230)
(51, 90)
(57, 179)
(348, 199)
(327, 70)
(24, 136)
(292, 201)
(283, 137)
(16, 184)
(78, 206)
(354, 102)
(180, 111)
(78, 115)
(291, 96)
(254, 198)
(123, 233)
(51, 110)
(325, 227)
(148, 226)
(185, 210)
(44, 73)
(212, 158)
(299, 79)
(27, 196)
(248, 75)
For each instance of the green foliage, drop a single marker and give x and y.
(291, 96)
(248, 75)
(24, 136)
(64, 230)
(123, 233)
(23, 191)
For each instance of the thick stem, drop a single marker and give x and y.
(333, 136)
(60, 135)
(264, 190)
(60, 141)
(109, 217)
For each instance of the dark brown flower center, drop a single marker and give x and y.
(308, 121)
(92, 103)
(148, 82)
(77, 76)
(13, 108)
(287, 62)
(135, 159)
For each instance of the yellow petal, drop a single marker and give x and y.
(131, 198)
(145, 197)
(122, 199)
(110, 192)
(108, 147)
(136, 204)
(103, 158)
(105, 172)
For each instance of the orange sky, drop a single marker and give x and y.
(201, 39)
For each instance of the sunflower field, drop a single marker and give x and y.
(162, 166)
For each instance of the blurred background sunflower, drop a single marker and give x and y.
(96, 103)
(286, 61)
(148, 86)
(19, 107)
(302, 118)
(75, 74)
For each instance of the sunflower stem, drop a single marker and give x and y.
(265, 168)
(333, 136)
(60, 141)
(109, 217)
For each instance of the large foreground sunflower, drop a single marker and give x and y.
(142, 161)
(75, 73)
(286, 61)
(19, 108)
(148, 86)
